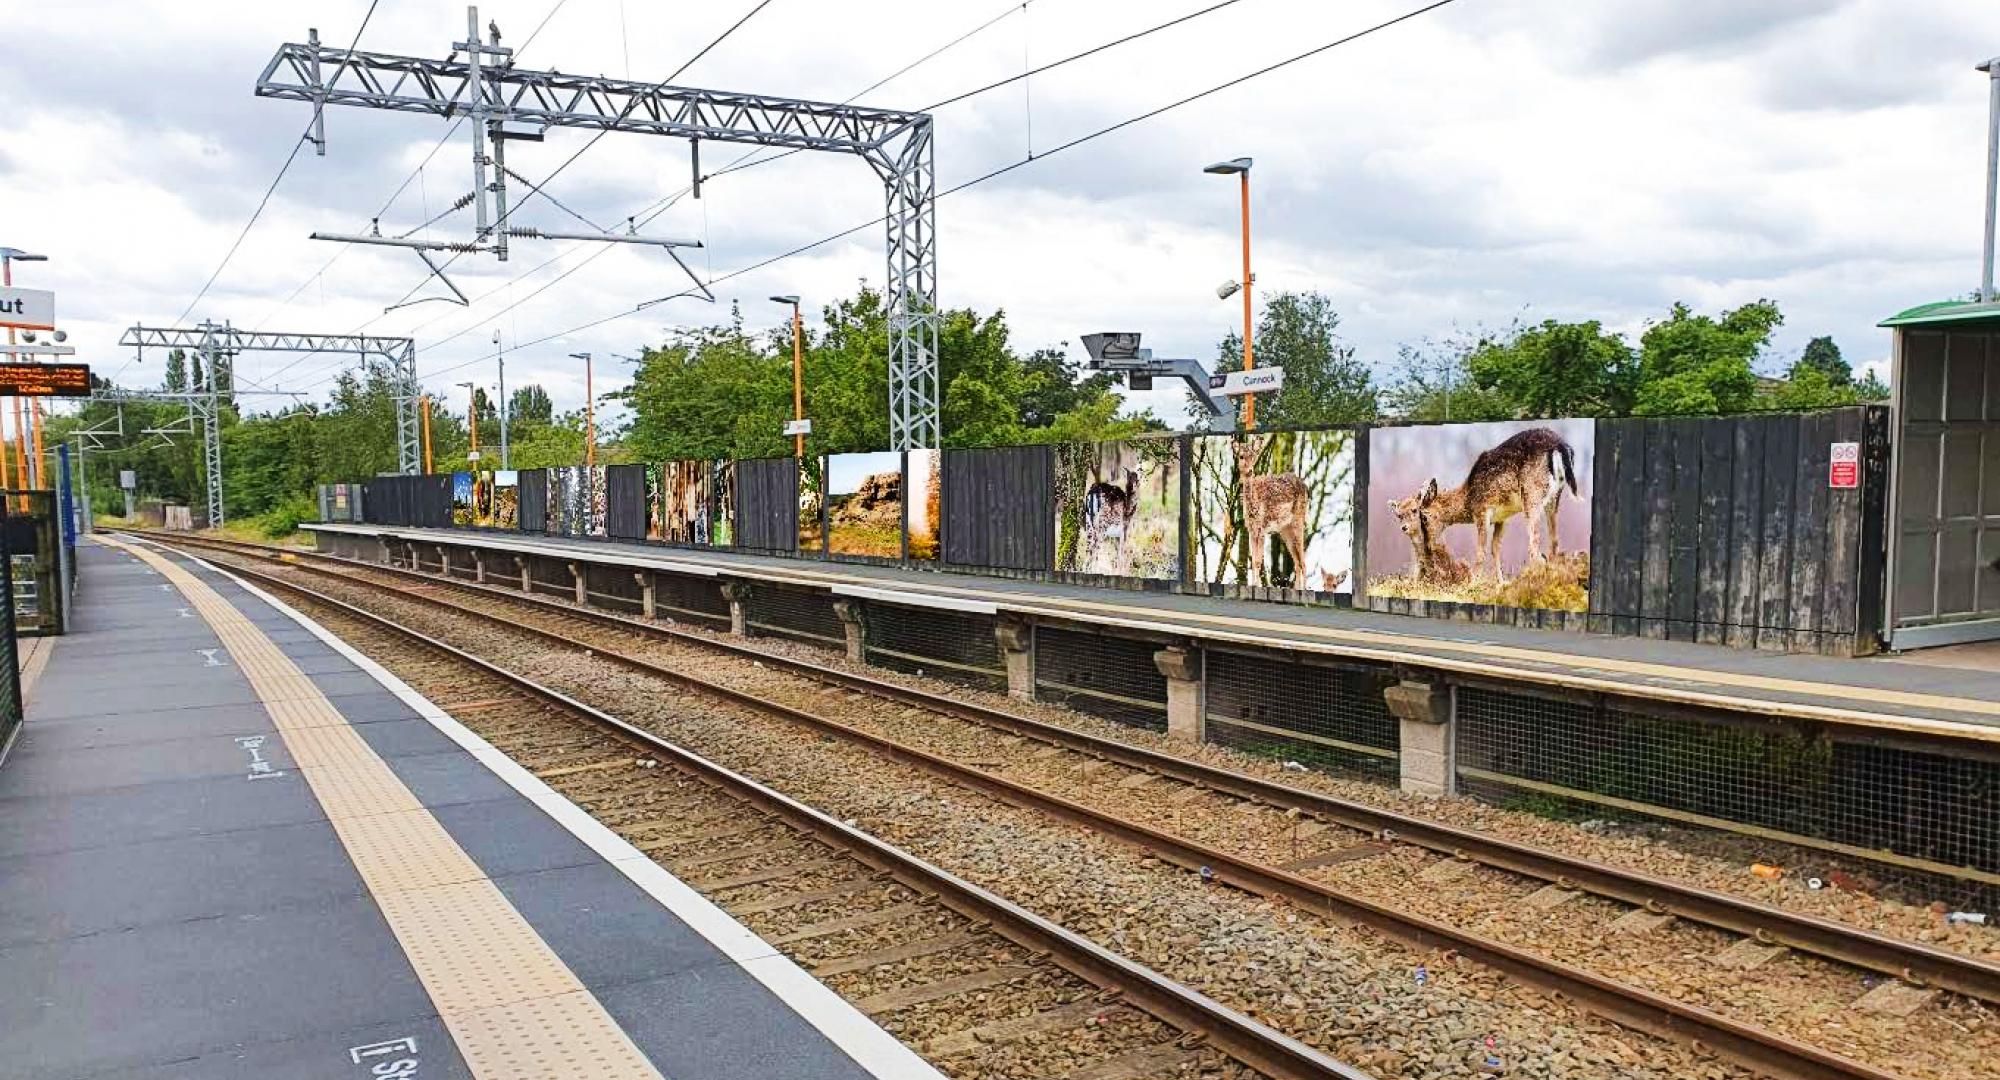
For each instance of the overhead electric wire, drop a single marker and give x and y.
(390, 202)
(304, 136)
(1001, 171)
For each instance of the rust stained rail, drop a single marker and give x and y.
(1247, 1040)
(1747, 1044)
(1911, 961)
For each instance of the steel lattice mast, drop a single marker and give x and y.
(479, 81)
(218, 343)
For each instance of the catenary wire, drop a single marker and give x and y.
(1001, 171)
(652, 211)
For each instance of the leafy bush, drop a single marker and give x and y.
(284, 519)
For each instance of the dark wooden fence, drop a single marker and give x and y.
(997, 507)
(1713, 529)
(625, 502)
(1725, 530)
(767, 504)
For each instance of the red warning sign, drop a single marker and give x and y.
(1844, 469)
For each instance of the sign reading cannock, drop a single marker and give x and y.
(1255, 381)
(44, 380)
(27, 309)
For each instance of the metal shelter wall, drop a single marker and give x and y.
(1946, 555)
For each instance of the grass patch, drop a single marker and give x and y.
(1562, 585)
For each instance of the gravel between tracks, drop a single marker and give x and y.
(1796, 995)
(1374, 1003)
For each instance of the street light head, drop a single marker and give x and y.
(1230, 167)
(579, 356)
(792, 300)
(17, 255)
(1122, 345)
(1227, 289)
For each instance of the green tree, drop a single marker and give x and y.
(177, 372)
(1823, 356)
(1324, 382)
(1694, 364)
(529, 405)
(1556, 369)
(1433, 382)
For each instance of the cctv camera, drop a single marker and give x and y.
(62, 336)
(28, 336)
(1227, 289)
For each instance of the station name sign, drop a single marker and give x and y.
(1255, 381)
(44, 380)
(27, 309)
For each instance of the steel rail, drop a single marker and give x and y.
(1758, 1048)
(1914, 962)
(1240, 1037)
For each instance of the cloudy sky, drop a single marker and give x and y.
(1490, 160)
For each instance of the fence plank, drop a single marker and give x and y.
(1718, 468)
(767, 504)
(1684, 563)
(533, 514)
(1746, 536)
(1628, 598)
(1657, 514)
(1774, 582)
(1000, 501)
(1809, 533)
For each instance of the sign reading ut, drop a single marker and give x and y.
(27, 309)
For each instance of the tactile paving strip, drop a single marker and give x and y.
(513, 1007)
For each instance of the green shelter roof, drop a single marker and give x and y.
(1945, 311)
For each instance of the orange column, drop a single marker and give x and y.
(426, 402)
(6, 472)
(21, 446)
(1249, 400)
(35, 412)
(589, 417)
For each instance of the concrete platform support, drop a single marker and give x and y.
(645, 581)
(738, 595)
(1017, 648)
(1427, 736)
(382, 549)
(410, 553)
(1182, 667)
(444, 560)
(527, 583)
(582, 593)
(855, 624)
(478, 566)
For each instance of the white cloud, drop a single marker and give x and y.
(1493, 159)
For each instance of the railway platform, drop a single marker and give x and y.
(1948, 693)
(231, 846)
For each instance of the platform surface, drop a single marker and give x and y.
(1957, 699)
(190, 888)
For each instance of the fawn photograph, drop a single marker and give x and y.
(463, 489)
(812, 503)
(1491, 513)
(1273, 509)
(679, 501)
(1118, 508)
(501, 508)
(864, 504)
(921, 469)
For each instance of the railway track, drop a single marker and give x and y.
(1748, 1044)
(768, 858)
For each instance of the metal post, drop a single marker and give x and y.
(1249, 400)
(503, 403)
(1992, 69)
(475, 92)
(798, 379)
(211, 429)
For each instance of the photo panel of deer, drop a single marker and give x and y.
(595, 502)
(1118, 508)
(812, 504)
(721, 503)
(462, 485)
(656, 501)
(557, 505)
(1273, 509)
(922, 469)
(504, 504)
(685, 514)
(1490, 513)
(864, 504)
